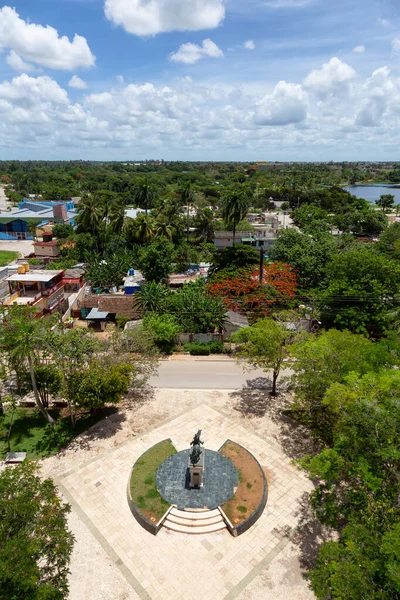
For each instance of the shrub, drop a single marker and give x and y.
(199, 350)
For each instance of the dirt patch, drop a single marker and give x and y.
(251, 484)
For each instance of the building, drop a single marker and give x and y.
(17, 224)
(46, 248)
(224, 239)
(73, 280)
(42, 289)
(113, 304)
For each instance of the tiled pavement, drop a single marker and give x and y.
(173, 566)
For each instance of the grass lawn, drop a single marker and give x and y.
(143, 481)
(32, 435)
(6, 257)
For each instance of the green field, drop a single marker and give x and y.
(143, 481)
(6, 257)
(32, 435)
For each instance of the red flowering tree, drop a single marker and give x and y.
(243, 292)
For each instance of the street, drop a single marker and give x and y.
(205, 374)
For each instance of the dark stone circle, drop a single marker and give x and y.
(220, 479)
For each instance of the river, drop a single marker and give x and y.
(373, 192)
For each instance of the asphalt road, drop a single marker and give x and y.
(205, 374)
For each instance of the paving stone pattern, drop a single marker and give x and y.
(174, 566)
(220, 479)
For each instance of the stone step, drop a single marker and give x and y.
(194, 522)
(194, 530)
(194, 514)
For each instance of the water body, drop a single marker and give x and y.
(373, 192)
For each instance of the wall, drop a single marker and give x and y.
(44, 250)
(185, 338)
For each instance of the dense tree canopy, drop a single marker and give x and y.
(35, 542)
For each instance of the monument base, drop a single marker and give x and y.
(196, 473)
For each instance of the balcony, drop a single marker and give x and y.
(52, 290)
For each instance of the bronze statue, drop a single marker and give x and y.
(196, 450)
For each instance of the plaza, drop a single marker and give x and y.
(261, 563)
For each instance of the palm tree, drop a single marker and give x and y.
(142, 228)
(205, 225)
(144, 194)
(162, 228)
(235, 205)
(21, 338)
(90, 215)
(116, 217)
(187, 197)
(151, 298)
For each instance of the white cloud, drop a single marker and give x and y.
(396, 46)
(202, 120)
(149, 17)
(17, 63)
(191, 53)
(359, 49)
(78, 83)
(287, 104)
(333, 78)
(249, 45)
(383, 22)
(41, 45)
(120, 79)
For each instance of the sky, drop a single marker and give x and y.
(295, 80)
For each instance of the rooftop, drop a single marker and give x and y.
(39, 275)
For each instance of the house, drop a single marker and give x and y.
(224, 239)
(41, 288)
(47, 247)
(113, 304)
(73, 280)
(17, 224)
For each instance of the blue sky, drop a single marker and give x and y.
(200, 79)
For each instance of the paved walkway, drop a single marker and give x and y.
(261, 564)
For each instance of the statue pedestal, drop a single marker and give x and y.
(196, 473)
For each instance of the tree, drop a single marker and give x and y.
(164, 329)
(104, 381)
(62, 231)
(151, 298)
(232, 259)
(155, 260)
(162, 228)
(358, 489)
(90, 215)
(265, 345)
(141, 229)
(385, 201)
(307, 254)
(361, 287)
(389, 241)
(35, 542)
(144, 194)
(195, 311)
(187, 198)
(327, 358)
(116, 217)
(242, 291)
(235, 205)
(204, 223)
(22, 339)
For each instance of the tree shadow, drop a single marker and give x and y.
(309, 534)
(255, 400)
